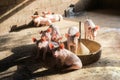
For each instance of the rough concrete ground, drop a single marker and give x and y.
(107, 68)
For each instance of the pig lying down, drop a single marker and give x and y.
(90, 29)
(72, 38)
(68, 59)
(53, 17)
(38, 20)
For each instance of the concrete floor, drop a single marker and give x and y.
(107, 68)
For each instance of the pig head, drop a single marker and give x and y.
(72, 38)
(47, 34)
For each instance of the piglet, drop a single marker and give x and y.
(55, 35)
(53, 17)
(72, 38)
(47, 34)
(90, 29)
(68, 60)
(38, 20)
(42, 47)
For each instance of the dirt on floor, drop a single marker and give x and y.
(18, 44)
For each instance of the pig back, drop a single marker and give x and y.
(90, 23)
(72, 59)
(73, 30)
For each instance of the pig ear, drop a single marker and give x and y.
(49, 30)
(89, 28)
(43, 38)
(41, 32)
(51, 46)
(77, 34)
(60, 38)
(32, 16)
(49, 12)
(61, 46)
(54, 37)
(34, 39)
(97, 27)
(43, 12)
(66, 35)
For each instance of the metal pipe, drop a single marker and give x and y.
(80, 30)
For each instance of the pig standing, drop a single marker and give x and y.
(42, 47)
(55, 35)
(68, 59)
(38, 20)
(90, 29)
(47, 34)
(72, 38)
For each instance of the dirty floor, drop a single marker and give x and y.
(106, 68)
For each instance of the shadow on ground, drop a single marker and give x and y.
(24, 58)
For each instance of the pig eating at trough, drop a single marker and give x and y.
(72, 38)
(90, 29)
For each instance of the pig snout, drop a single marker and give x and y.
(55, 54)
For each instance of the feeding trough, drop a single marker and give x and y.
(89, 51)
(94, 51)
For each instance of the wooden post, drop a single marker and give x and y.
(65, 12)
(80, 30)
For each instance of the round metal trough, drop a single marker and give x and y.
(95, 52)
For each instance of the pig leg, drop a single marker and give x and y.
(76, 49)
(44, 53)
(85, 36)
(48, 23)
(37, 24)
(91, 36)
(68, 46)
(72, 67)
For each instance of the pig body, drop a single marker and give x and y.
(42, 47)
(47, 34)
(68, 58)
(54, 17)
(72, 38)
(55, 34)
(90, 29)
(38, 20)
